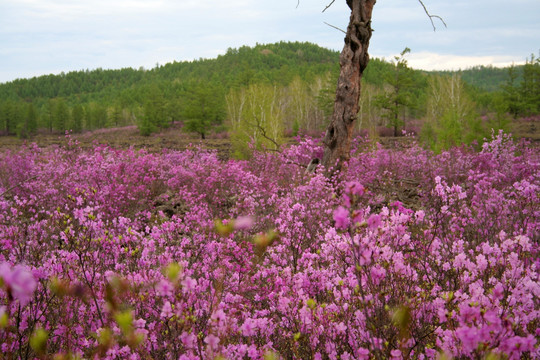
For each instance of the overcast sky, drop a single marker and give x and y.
(40, 37)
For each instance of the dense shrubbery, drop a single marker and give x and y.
(118, 254)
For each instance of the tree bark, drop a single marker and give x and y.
(353, 60)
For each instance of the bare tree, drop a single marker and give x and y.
(353, 60)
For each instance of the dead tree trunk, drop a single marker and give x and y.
(353, 60)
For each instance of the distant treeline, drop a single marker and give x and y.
(205, 94)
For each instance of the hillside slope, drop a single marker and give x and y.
(276, 63)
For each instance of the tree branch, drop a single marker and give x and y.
(335, 27)
(327, 6)
(431, 16)
(263, 133)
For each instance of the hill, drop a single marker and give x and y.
(275, 63)
(94, 99)
(487, 78)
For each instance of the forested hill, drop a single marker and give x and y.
(488, 78)
(200, 94)
(275, 63)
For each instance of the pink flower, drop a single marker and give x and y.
(354, 188)
(468, 313)
(492, 318)
(419, 215)
(219, 315)
(365, 257)
(524, 242)
(249, 327)
(139, 323)
(469, 338)
(341, 217)
(357, 216)
(243, 223)
(396, 354)
(460, 260)
(283, 304)
(164, 288)
(498, 291)
(212, 341)
(19, 282)
(253, 353)
(346, 201)
(189, 340)
(398, 205)
(377, 274)
(166, 311)
(518, 344)
(341, 328)
(363, 354)
(481, 262)
(374, 221)
(189, 284)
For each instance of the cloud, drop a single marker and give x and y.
(434, 61)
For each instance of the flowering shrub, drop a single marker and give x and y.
(115, 254)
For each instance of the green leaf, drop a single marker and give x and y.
(4, 320)
(172, 271)
(105, 337)
(270, 355)
(124, 321)
(402, 318)
(223, 229)
(38, 341)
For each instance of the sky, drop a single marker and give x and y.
(39, 37)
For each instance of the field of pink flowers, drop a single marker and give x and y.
(125, 254)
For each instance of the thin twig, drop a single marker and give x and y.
(263, 133)
(432, 16)
(298, 4)
(335, 27)
(327, 6)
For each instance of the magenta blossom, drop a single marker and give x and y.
(354, 188)
(374, 221)
(243, 223)
(212, 341)
(18, 281)
(341, 217)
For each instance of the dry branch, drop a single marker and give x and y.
(431, 16)
(335, 27)
(327, 6)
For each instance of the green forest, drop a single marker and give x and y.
(262, 94)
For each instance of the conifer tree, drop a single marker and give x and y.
(154, 109)
(32, 119)
(203, 108)
(61, 115)
(77, 118)
(398, 97)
